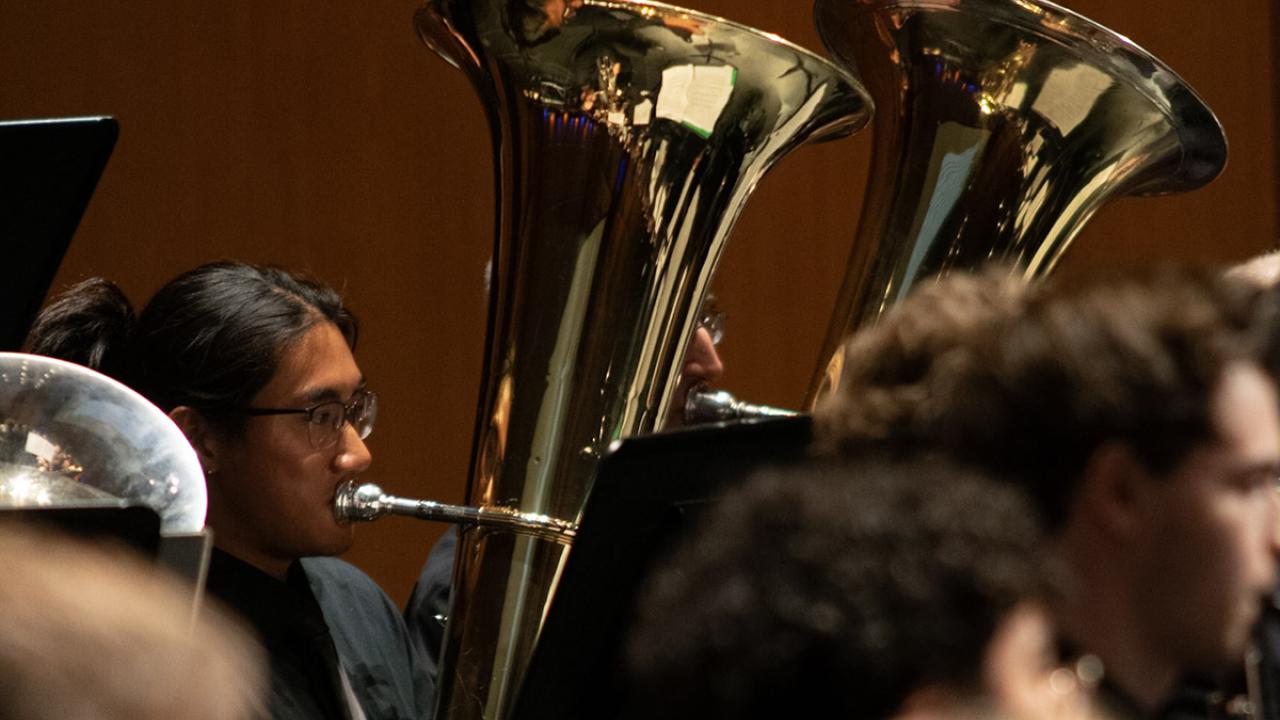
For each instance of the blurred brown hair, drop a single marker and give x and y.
(886, 393)
(91, 633)
(840, 586)
(1027, 384)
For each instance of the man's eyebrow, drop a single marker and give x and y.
(1260, 471)
(1268, 467)
(325, 394)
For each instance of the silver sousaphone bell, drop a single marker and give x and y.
(72, 437)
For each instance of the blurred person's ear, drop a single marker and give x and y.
(1111, 490)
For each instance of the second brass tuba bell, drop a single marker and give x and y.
(627, 136)
(1001, 127)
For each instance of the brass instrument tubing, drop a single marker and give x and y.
(367, 501)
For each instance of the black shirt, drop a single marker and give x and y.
(326, 615)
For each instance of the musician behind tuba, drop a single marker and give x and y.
(428, 606)
(1140, 419)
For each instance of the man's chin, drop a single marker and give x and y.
(1228, 655)
(337, 541)
(1242, 633)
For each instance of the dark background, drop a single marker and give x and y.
(323, 136)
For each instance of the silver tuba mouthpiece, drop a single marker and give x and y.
(358, 503)
(705, 405)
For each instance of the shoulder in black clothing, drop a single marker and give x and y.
(371, 639)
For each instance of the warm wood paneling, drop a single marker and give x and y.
(324, 136)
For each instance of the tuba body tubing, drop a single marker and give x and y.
(1001, 127)
(627, 137)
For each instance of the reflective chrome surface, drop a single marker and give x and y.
(627, 136)
(69, 435)
(368, 502)
(705, 405)
(1001, 127)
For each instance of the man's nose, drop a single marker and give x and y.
(353, 456)
(1273, 524)
(702, 363)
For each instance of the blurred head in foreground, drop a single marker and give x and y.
(1134, 412)
(863, 590)
(1264, 270)
(86, 633)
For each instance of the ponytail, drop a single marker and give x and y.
(90, 324)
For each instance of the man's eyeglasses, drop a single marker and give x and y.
(325, 420)
(711, 319)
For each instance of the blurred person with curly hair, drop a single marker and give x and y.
(1138, 416)
(870, 590)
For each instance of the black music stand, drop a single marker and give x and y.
(48, 171)
(648, 493)
(134, 526)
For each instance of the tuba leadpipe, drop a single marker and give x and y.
(363, 502)
(627, 138)
(1001, 127)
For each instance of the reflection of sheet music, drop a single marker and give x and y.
(695, 95)
(40, 446)
(643, 113)
(675, 87)
(1069, 94)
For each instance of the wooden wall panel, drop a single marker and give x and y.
(324, 136)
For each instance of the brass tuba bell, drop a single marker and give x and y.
(1001, 127)
(627, 137)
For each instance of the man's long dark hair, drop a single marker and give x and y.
(210, 339)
